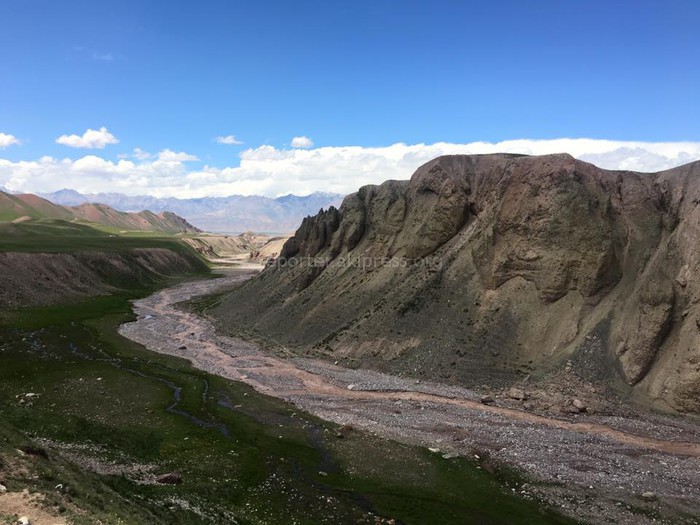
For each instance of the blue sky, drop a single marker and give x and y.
(173, 75)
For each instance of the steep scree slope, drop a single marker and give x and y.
(481, 268)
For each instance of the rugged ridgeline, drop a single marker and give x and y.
(27, 207)
(501, 265)
(235, 213)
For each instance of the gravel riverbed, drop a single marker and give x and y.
(625, 469)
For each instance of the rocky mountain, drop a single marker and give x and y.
(233, 214)
(485, 269)
(27, 206)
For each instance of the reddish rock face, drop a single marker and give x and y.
(481, 266)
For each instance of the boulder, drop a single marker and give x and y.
(649, 496)
(486, 399)
(517, 393)
(172, 478)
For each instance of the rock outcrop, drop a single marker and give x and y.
(483, 268)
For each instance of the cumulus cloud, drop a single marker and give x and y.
(8, 140)
(141, 154)
(271, 171)
(177, 157)
(230, 140)
(91, 139)
(302, 142)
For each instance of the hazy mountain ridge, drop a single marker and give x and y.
(232, 214)
(29, 206)
(509, 265)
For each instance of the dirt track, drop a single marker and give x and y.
(594, 467)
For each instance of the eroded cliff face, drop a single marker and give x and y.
(481, 268)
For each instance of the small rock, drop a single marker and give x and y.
(517, 393)
(486, 399)
(351, 387)
(434, 450)
(3, 489)
(488, 467)
(172, 478)
(183, 347)
(649, 496)
(579, 405)
(24, 521)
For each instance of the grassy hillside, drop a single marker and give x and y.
(59, 236)
(15, 206)
(27, 207)
(48, 262)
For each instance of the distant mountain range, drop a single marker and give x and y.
(25, 207)
(233, 214)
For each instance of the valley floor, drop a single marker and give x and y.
(626, 469)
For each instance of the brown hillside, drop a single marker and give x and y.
(141, 221)
(484, 268)
(28, 206)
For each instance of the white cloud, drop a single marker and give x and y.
(270, 171)
(91, 139)
(302, 142)
(7, 140)
(141, 154)
(173, 156)
(229, 140)
(137, 154)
